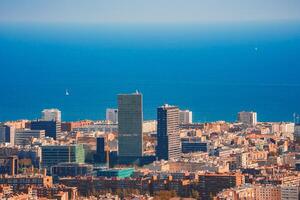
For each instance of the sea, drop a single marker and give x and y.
(215, 70)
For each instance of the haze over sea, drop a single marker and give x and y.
(214, 70)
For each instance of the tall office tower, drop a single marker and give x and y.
(7, 134)
(52, 128)
(55, 154)
(249, 118)
(168, 138)
(51, 115)
(112, 115)
(130, 126)
(185, 117)
(24, 136)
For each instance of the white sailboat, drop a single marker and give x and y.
(67, 93)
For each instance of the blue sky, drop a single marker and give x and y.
(140, 11)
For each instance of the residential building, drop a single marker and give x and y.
(22, 182)
(168, 138)
(267, 192)
(290, 192)
(248, 118)
(211, 184)
(185, 117)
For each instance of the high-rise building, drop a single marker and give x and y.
(7, 134)
(100, 156)
(52, 128)
(130, 126)
(185, 117)
(24, 136)
(168, 138)
(55, 154)
(248, 118)
(52, 114)
(112, 115)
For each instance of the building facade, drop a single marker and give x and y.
(7, 134)
(51, 115)
(112, 115)
(297, 133)
(130, 126)
(248, 118)
(24, 136)
(52, 128)
(168, 138)
(185, 117)
(100, 156)
(55, 154)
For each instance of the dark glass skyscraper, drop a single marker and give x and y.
(100, 156)
(168, 138)
(130, 121)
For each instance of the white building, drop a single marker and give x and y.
(24, 136)
(51, 115)
(112, 115)
(249, 118)
(185, 117)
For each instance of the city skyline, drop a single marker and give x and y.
(150, 99)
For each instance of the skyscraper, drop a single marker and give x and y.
(168, 138)
(51, 115)
(100, 156)
(130, 123)
(7, 134)
(112, 115)
(248, 118)
(185, 117)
